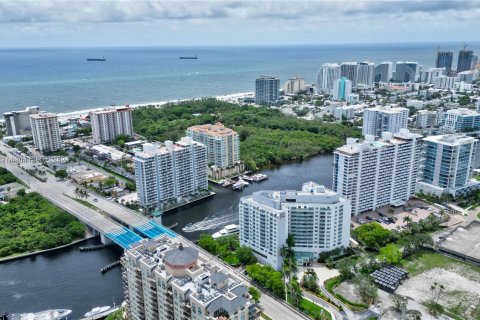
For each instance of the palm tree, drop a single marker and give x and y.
(407, 219)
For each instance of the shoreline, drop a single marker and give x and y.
(82, 112)
(36, 253)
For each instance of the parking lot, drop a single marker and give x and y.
(394, 218)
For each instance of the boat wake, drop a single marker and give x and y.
(212, 223)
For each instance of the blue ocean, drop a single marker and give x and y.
(62, 80)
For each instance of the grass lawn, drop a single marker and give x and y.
(426, 260)
(83, 202)
(313, 309)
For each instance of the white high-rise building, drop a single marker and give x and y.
(223, 144)
(374, 173)
(327, 76)
(384, 119)
(45, 131)
(447, 165)
(108, 124)
(318, 219)
(360, 73)
(383, 72)
(342, 88)
(429, 75)
(365, 76)
(294, 85)
(170, 171)
(165, 280)
(18, 122)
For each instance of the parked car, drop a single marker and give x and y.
(95, 200)
(381, 214)
(369, 218)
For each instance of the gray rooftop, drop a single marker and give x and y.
(464, 241)
(181, 256)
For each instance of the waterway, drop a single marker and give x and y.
(212, 214)
(66, 278)
(72, 279)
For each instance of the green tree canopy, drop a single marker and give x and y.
(373, 235)
(390, 254)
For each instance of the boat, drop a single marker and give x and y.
(96, 310)
(96, 59)
(248, 178)
(259, 177)
(188, 57)
(227, 183)
(226, 231)
(189, 227)
(240, 184)
(53, 314)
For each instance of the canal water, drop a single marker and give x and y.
(72, 279)
(212, 214)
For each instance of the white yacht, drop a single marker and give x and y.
(54, 314)
(226, 231)
(96, 311)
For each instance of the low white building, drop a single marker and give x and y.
(353, 98)
(417, 104)
(444, 82)
(345, 112)
(317, 218)
(426, 119)
(110, 153)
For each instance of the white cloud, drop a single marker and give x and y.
(25, 11)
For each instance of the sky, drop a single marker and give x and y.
(73, 23)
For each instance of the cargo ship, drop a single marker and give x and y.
(188, 57)
(96, 59)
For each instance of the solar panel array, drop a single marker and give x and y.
(389, 278)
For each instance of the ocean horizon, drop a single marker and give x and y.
(62, 80)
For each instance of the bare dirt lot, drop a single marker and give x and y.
(462, 289)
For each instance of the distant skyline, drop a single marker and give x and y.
(55, 23)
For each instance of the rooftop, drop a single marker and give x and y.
(217, 129)
(111, 110)
(463, 112)
(152, 149)
(354, 146)
(450, 139)
(464, 242)
(43, 115)
(387, 109)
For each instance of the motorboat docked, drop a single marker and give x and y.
(227, 183)
(53, 314)
(189, 227)
(240, 184)
(96, 310)
(226, 231)
(248, 178)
